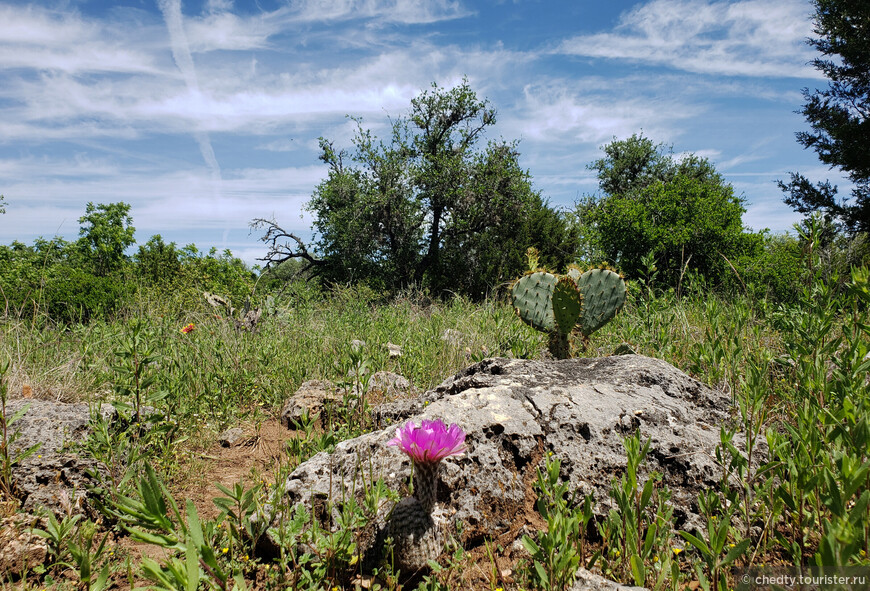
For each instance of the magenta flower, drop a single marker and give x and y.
(431, 442)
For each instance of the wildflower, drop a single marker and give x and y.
(225, 549)
(188, 329)
(431, 442)
(677, 551)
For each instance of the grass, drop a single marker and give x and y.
(797, 376)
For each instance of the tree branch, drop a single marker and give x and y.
(280, 248)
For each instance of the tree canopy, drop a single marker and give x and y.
(427, 206)
(839, 115)
(680, 209)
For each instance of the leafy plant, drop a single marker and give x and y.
(558, 552)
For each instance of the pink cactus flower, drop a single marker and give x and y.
(431, 442)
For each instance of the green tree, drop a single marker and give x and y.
(427, 206)
(106, 232)
(3, 204)
(839, 115)
(158, 262)
(681, 209)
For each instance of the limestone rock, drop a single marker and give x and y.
(513, 412)
(390, 385)
(20, 549)
(310, 399)
(56, 471)
(589, 581)
(232, 437)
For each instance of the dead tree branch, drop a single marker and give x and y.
(280, 247)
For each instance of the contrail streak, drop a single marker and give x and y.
(171, 10)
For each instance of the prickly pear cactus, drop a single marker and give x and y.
(603, 296)
(551, 304)
(560, 304)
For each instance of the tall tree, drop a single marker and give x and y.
(427, 206)
(106, 232)
(839, 115)
(680, 209)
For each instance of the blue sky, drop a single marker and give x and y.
(204, 115)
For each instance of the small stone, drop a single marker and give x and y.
(232, 437)
(395, 350)
(309, 399)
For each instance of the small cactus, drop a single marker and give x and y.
(561, 304)
(415, 533)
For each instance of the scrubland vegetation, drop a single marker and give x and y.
(417, 238)
(796, 369)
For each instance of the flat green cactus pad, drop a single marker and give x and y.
(603, 296)
(532, 299)
(567, 304)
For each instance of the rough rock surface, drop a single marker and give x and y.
(55, 472)
(515, 411)
(589, 581)
(390, 385)
(20, 549)
(309, 399)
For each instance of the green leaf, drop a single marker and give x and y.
(638, 570)
(696, 542)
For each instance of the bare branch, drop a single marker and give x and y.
(280, 247)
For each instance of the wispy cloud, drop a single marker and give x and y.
(36, 38)
(748, 38)
(400, 11)
(171, 10)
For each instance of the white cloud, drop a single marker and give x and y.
(43, 40)
(561, 113)
(748, 38)
(401, 11)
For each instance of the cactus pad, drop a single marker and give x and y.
(567, 304)
(532, 298)
(603, 296)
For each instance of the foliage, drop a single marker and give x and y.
(679, 209)
(558, 552)
(637, 530)
(106, 232)
(158, 262)
(792, 482)
(839, 115)
(426, 207)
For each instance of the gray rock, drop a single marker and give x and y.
(309, 399)
(56, 472)
(391, 385)
(394, 350)
(515, 411)
(20, 549)
(453, 337)
(232, 437)
(589, 581)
